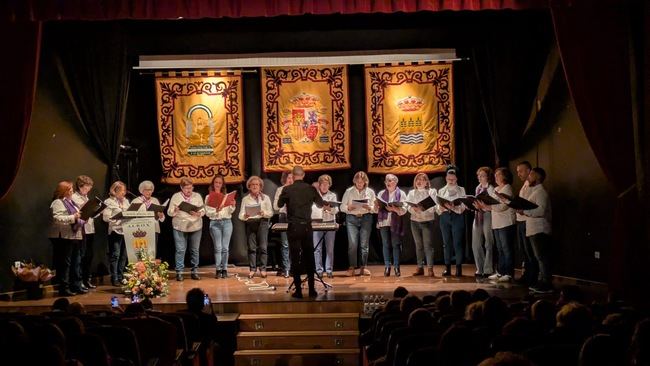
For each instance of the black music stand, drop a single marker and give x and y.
(317, 278)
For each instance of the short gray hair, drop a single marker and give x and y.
(145, 184)
(391, 177)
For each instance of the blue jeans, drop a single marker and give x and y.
(257, 232)
(423, 238)
(116, 256)
(483, 245)
(328, 242)
(531, 266)
(505, 238)
(180, 239)
(284, 249)
(221, 231)
(358, 236)
(390, 240)
(452, 226)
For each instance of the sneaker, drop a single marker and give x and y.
(504, 278)
(365, 271)
(195, 276)
(495, 277)
(179, 277)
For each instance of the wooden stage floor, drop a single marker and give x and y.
(237, 289)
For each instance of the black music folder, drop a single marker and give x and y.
(425, 204)
(158, 208)
(383, 204)
(518, 203)
(132, 207)
(332, 203)
(92, 208)
(487, 199)
(188, 207)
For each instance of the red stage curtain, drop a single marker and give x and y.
(194, 9)
(21, 43)
(594, 42)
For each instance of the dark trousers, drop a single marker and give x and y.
(257, 232)
(452, 226)
(541, 244)
(505, 238)
(66, 262)
(531, 266)
(301, 251)
(116, 256)
(86, 252)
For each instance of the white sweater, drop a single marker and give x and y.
(181, 220)
(349, 207)
(417, 195)
(61, 222)
(265, 206)
(113, 207)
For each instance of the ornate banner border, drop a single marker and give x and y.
(229, 90)
(377, 79)
(273, 157)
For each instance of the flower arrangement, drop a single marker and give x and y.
(146, 278)
(27, 271)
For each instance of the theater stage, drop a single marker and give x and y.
(231, 294)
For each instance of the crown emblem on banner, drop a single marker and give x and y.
(410, 104)
(304, 100)
(139, 233)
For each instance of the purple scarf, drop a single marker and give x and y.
(395, 221)
(72, 209)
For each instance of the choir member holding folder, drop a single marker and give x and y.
(390, 203)
(115, 205)
(503, 227)
(452, 222)
(83, 185)
(326, 213)
(255, 211)
(482, 236)
(357, 203)
(422, 221)
(286, 180)
(66, 234)
(186, 210)
(219, 206)
(149, 203)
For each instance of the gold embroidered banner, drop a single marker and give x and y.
(305, 118)
(200, 125)
(409, 118)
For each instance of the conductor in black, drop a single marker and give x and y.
(298, 198)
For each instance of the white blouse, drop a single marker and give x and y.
(181, 220)
(417, 195)
(265, 206)
(317, 213)
(113, 207)
(391, 198)
(61, 222)
(145, 206)
(450, 194)
(80, 201)
(225, 213)
(351, 208)
(502, 215)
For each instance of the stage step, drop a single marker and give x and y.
(308, 307)
(298, 321)
(298, 340)
(297, 357)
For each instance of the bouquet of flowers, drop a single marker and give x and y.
(146, 278)
(27, 271)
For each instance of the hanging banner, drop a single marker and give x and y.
(409, 118)
(200, 125)
(305, 118)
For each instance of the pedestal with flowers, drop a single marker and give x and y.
(146, 277)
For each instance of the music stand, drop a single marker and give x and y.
(317, 278)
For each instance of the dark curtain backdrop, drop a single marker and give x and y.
(195, 9)
(95, 70)
(594, 43)
(18, 69)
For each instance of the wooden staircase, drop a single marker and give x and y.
(310, 333)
